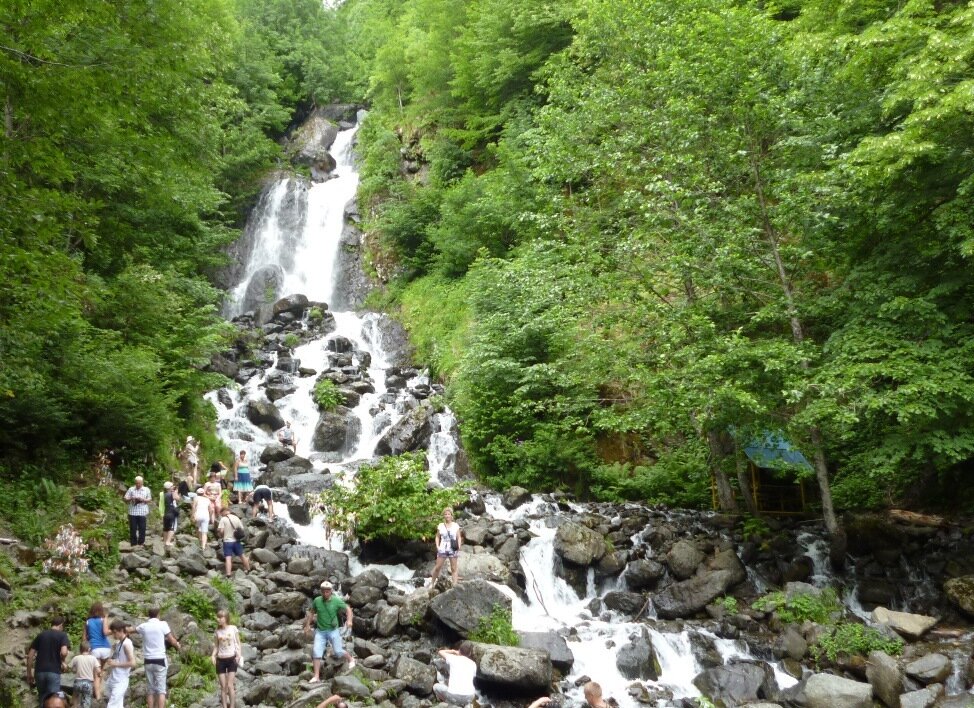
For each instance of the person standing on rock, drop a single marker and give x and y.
(156, 634)
(87, 677)
(214, 492)
(242, 485)
(191, 459)
(231, 530)
(201, 514)
(458, 690)
(449, 540)
(324, 611)
(97, 632)
(138, 497)
(227, 657)
(170, 511)
(44, 659)
(120, 666)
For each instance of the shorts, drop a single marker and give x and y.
(169, 522)
(84, 691)
(203, 525)
(261, 495)
(155, 677)
(447, 554)
(226, 666)
(324, 637)
(102, 653)
(232, 548)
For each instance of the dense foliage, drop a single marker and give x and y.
(633, 234)
(134, 137)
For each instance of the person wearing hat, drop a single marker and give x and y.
(170, 511)
(191, 459)
(324, 610)
(138, 497)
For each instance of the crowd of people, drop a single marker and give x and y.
(107, 655)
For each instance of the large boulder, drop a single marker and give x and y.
(337, 430)
(291, 604)
(277, 473)
(266, 281)
(485, 566)
(683, 559)
(737, 684)
(419, 677)
(309, 144)
(556, 646)
(638, 660)
(829, 691)
(263, 412)
(462, 607)
(686, 598)
(643, 574)
(515, 496)
(294, 304)
(960, 591)
(886, 678)
(930, 668)
(276, 453)
(905, 624)
(924, 698)
(578, 544)
(411, 432)
(512, 670)
(309, 482)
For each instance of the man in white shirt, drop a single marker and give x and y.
(155, 636)
(458, 690)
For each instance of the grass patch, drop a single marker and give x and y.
(496, 628)
(822, 608)
(435, 311)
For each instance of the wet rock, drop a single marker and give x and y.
(637, 659)
(829, 691)
(278, 453)
(224, 397)
(578, 544)
(556, 646)
(462, 607)
(263, 412)
(336, 430)
(483, 565)
(790, 643)
(960, 591)
(515, 497)
(309, 482)
(612, 563)
(411, 432)
(683, 559)
(924, 698)
(387, 621)
(628, 603)
(419, 677)
(727, 560)
(291, 304)
(223, 365)
(276, 392)
(643, 574)
(686, 598)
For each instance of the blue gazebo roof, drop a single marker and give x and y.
(772, 451)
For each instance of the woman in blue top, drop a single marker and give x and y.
(97, 631)
(242, 484)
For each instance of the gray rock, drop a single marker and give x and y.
(294, 304)
(683, 559)
(484, 566)
(364, 596)
(738, 683)
(886, 678)
(907, 625)
(728, 560)
(513, 669)
(262, 555)
(291, 604)
(309, 482)
(924, 698)
(643, 574)
(931, 668)
(192, 562)
(686, 598)
(829, 691)
(637, 659)
(419, 677)
(515, 497)
(628, 603)
(276, 392)
(373, 578)
(260, 621)
(462, 607)
(476, 532)
(960, 591)
(790, 643)
(263, 412)
(349, 685)
(411, 432)
(276, 453)
(556, 646)
(387, 621)
(413, 610)
(337, 430)
(578, 544)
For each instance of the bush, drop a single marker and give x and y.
(67, 553)
(199, 606)
(291, 340)
(821, 608)
(496, 628)
(387, 500)
(848, 638)
(315, 314)
(326, 394)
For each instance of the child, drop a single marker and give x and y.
(87, 682)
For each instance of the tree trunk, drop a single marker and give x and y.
(725, 492)
(744, 482)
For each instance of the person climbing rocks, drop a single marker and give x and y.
(449, 540)
(231, 531)
(156, 635)
(170, 512)
(44, 659)
(119, 666)
(97, 632)
(324, 611)
(459, 689)
(242, 485)
(190, 456)
(213, 491)
(200, 510)
(138, 497)
(87, 677)
(261, 500)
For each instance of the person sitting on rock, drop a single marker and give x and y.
(287, 438)
(593, 697)
(458, 690)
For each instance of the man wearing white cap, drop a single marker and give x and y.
(324, 610)
(138, 496)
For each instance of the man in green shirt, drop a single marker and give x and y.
(324, 610)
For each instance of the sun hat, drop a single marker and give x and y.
(327, 586)
(167, 485)
(190, 438)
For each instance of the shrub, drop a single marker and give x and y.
(852, 638)
(291, 340)
(326, 394)
(496, 628)
(819, 608)
(388, 500)
(754, 527)
(67, 553)
(199, 606)
(315, 314)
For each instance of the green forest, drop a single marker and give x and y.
(630, 235)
